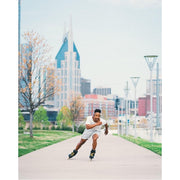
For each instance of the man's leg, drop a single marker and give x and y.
(75, 151)
(94, 144)
(81, 142)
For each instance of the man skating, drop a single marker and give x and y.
(93, 128)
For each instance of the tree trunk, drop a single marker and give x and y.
(72, 127)
(31, 124)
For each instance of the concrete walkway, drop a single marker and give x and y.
(116, 159)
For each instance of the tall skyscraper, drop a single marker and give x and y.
(102, 91)
(67, 70)
(85, 86)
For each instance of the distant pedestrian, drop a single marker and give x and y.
(93, 128)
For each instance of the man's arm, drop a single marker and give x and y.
(106, 129)
(90, 126)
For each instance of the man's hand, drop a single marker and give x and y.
(90, 126)
(98, 123)
(106, 132)
(106, 129)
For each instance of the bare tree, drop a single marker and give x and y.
(104, 112)
(76, 107)
(36, 75)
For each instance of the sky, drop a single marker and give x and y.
(112, 37)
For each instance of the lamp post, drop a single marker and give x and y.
(118, 120)
(122, 117)
(126, 90)
(157, 97)
(135, 81)
(151, 60)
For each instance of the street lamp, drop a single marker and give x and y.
(151, 60)
(135, 81)
(122, 116)
(118, 120)
(126, 90)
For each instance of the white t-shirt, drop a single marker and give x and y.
(90, 121)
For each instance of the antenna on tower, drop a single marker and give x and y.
(64, 34)
(70, 36)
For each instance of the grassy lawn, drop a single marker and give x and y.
(155, 147)
(41, 139)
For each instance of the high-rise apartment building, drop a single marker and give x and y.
(102, 91)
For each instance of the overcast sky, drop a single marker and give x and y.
(112, 36)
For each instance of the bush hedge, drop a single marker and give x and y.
(81, 129)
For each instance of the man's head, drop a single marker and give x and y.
(96, 115)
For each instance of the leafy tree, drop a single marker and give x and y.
(40, 117)
(46, 123)
(59, 119)
(21, 122)
(64, 117)
(36, 76)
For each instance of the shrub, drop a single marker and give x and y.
(21, 128)
(58, 128)
(45, 128)
(75, 128)
(36, 128)
(81, 129)
(66, 128)
(53, 128)
(21, 121)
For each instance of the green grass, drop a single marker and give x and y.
(41, 138)
(155, 147)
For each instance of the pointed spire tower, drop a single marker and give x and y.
(70, 36)
(68, 69)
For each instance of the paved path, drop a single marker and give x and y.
(116, 159)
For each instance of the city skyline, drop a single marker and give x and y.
(112, 37)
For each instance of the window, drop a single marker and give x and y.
(65, 80)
